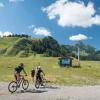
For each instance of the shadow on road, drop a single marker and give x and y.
(32, 91)
(38, 90)
(51, 87)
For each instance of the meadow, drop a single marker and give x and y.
(5, 42)
(87, 74)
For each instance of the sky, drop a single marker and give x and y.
(67, 21)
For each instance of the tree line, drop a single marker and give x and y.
(48, 46)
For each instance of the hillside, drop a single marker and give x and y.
(5, 42)
(47, 46)
(87, 52)
(25, 46)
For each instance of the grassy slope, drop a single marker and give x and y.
(5, 42)
(89, 73)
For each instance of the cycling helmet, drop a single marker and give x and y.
(21, 64)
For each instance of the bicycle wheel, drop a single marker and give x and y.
(12, 87)
(25, 84)
(44, 82)
(37, 84)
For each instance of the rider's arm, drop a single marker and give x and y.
(43, 73)
(24, 72)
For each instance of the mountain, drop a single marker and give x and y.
(87, 52)
(24, 46)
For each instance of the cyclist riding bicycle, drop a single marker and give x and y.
(18, 70)
(38, 74)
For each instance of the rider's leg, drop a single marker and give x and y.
(15, 77)
(33, 79)
(37, 77)
(18, 77)
(40, 79)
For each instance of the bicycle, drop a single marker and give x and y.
(38, 83)
(14, 85)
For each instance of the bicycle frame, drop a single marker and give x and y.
(38, 83)
(21, 80)
(14, 85)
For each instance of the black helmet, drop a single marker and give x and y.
(21, 64)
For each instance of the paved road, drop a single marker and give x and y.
(51, 93)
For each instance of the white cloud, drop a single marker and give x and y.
(68, 13)
(31, 26)
(14, 1)
(78, 37)
(1, 5)
(5, 34)
(41, 31)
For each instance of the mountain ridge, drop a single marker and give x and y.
(47, 46)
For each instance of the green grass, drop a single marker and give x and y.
(88, 74)
(5, 42)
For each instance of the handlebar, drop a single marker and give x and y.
(22, 76)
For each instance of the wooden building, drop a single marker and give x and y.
(65, 61)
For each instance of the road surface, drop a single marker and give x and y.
(51, 93)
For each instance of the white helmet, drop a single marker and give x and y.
(39, 67)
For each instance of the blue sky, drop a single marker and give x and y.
(65, 20)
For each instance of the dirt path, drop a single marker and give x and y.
(51, 93)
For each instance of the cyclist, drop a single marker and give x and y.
(38, 73)
(32, 73)
(18, 70)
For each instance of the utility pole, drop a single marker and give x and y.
(78, 53)
(78, 38)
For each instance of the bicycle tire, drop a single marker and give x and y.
(12, 87)
(37, 84)
(44, 82)
(25, 84)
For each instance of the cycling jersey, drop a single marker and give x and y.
(19, 68)
(38, 73)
